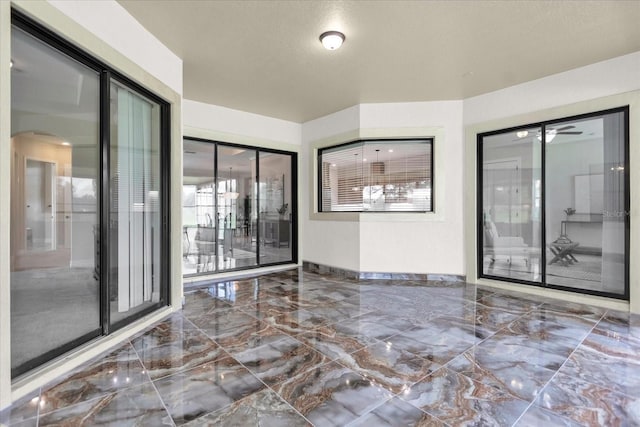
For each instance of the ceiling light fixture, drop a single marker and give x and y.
(332, 40)
(522, 133)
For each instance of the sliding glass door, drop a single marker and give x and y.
(134, 218)
(554, 204)
(88, 197)
(55, 192)
(511, 205)
(231, 220)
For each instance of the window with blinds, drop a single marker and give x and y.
(391, 175)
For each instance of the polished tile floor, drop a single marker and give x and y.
(298, 348)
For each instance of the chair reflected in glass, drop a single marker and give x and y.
(205, 247)
(504, 246)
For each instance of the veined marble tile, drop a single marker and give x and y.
(262, 335)
(489, 319)
(397, 412)
(589, 404)
(429, 344)
(336, 293)
(517, 377)
(551, 326)
(272, 307)
(202, 302)
(332, 395)
(137, 406)
(206, 388)
(226, 325)
(24, 411)
(536, 416)
(389, 367)
(277, 361)
(31, 422)
(463, 328)
(380, 326)
(338, 311)
(458, 400)
(509, 303)
(336, 340)
(264, 408)
(115, 371)
(297, 322)
(548, 351)
(566, 308)
(620, 325)
(608, 363)
(164, 351)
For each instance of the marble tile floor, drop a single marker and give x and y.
(297, 348)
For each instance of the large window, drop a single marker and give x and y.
(87, 197)
(376, 176)
(238, 207)
(554, 203)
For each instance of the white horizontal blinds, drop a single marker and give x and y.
(137, 199)
(407, 176)
(343, 179)
(389, 175)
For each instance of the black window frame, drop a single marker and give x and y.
(428, 140)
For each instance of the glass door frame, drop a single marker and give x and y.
(294, 202)
(106, 74)
(543, 238)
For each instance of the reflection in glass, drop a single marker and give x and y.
(134, 224)
(54, 195)
(511, 205)
(198, 208)
(274, 189)
(585, 203)
(237, 210)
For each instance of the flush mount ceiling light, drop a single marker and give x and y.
(332, 40)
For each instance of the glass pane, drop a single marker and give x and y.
(54, 202)
(377, 176)
(275, 208)
(511, 205)
(585, 203)
(198, 208)
(134, 224)
(237, 210)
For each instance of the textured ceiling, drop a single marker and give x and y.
(264, 57)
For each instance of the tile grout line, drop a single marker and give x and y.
(558, 371)
(146, 371)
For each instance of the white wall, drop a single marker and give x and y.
(237, 125)
(112, 23)
(617, 75)
(335, 243)
(398, 243)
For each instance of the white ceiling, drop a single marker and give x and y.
(265, 57)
